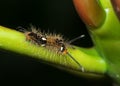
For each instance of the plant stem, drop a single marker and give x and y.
(15, 41)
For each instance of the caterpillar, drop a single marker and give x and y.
(48, 40)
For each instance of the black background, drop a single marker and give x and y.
(57, 16)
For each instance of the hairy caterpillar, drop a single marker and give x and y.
(54, 42)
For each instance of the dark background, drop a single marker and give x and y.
(57, 16)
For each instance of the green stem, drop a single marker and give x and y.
(107, 40)
(15, 41)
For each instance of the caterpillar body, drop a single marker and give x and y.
(50, 41)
